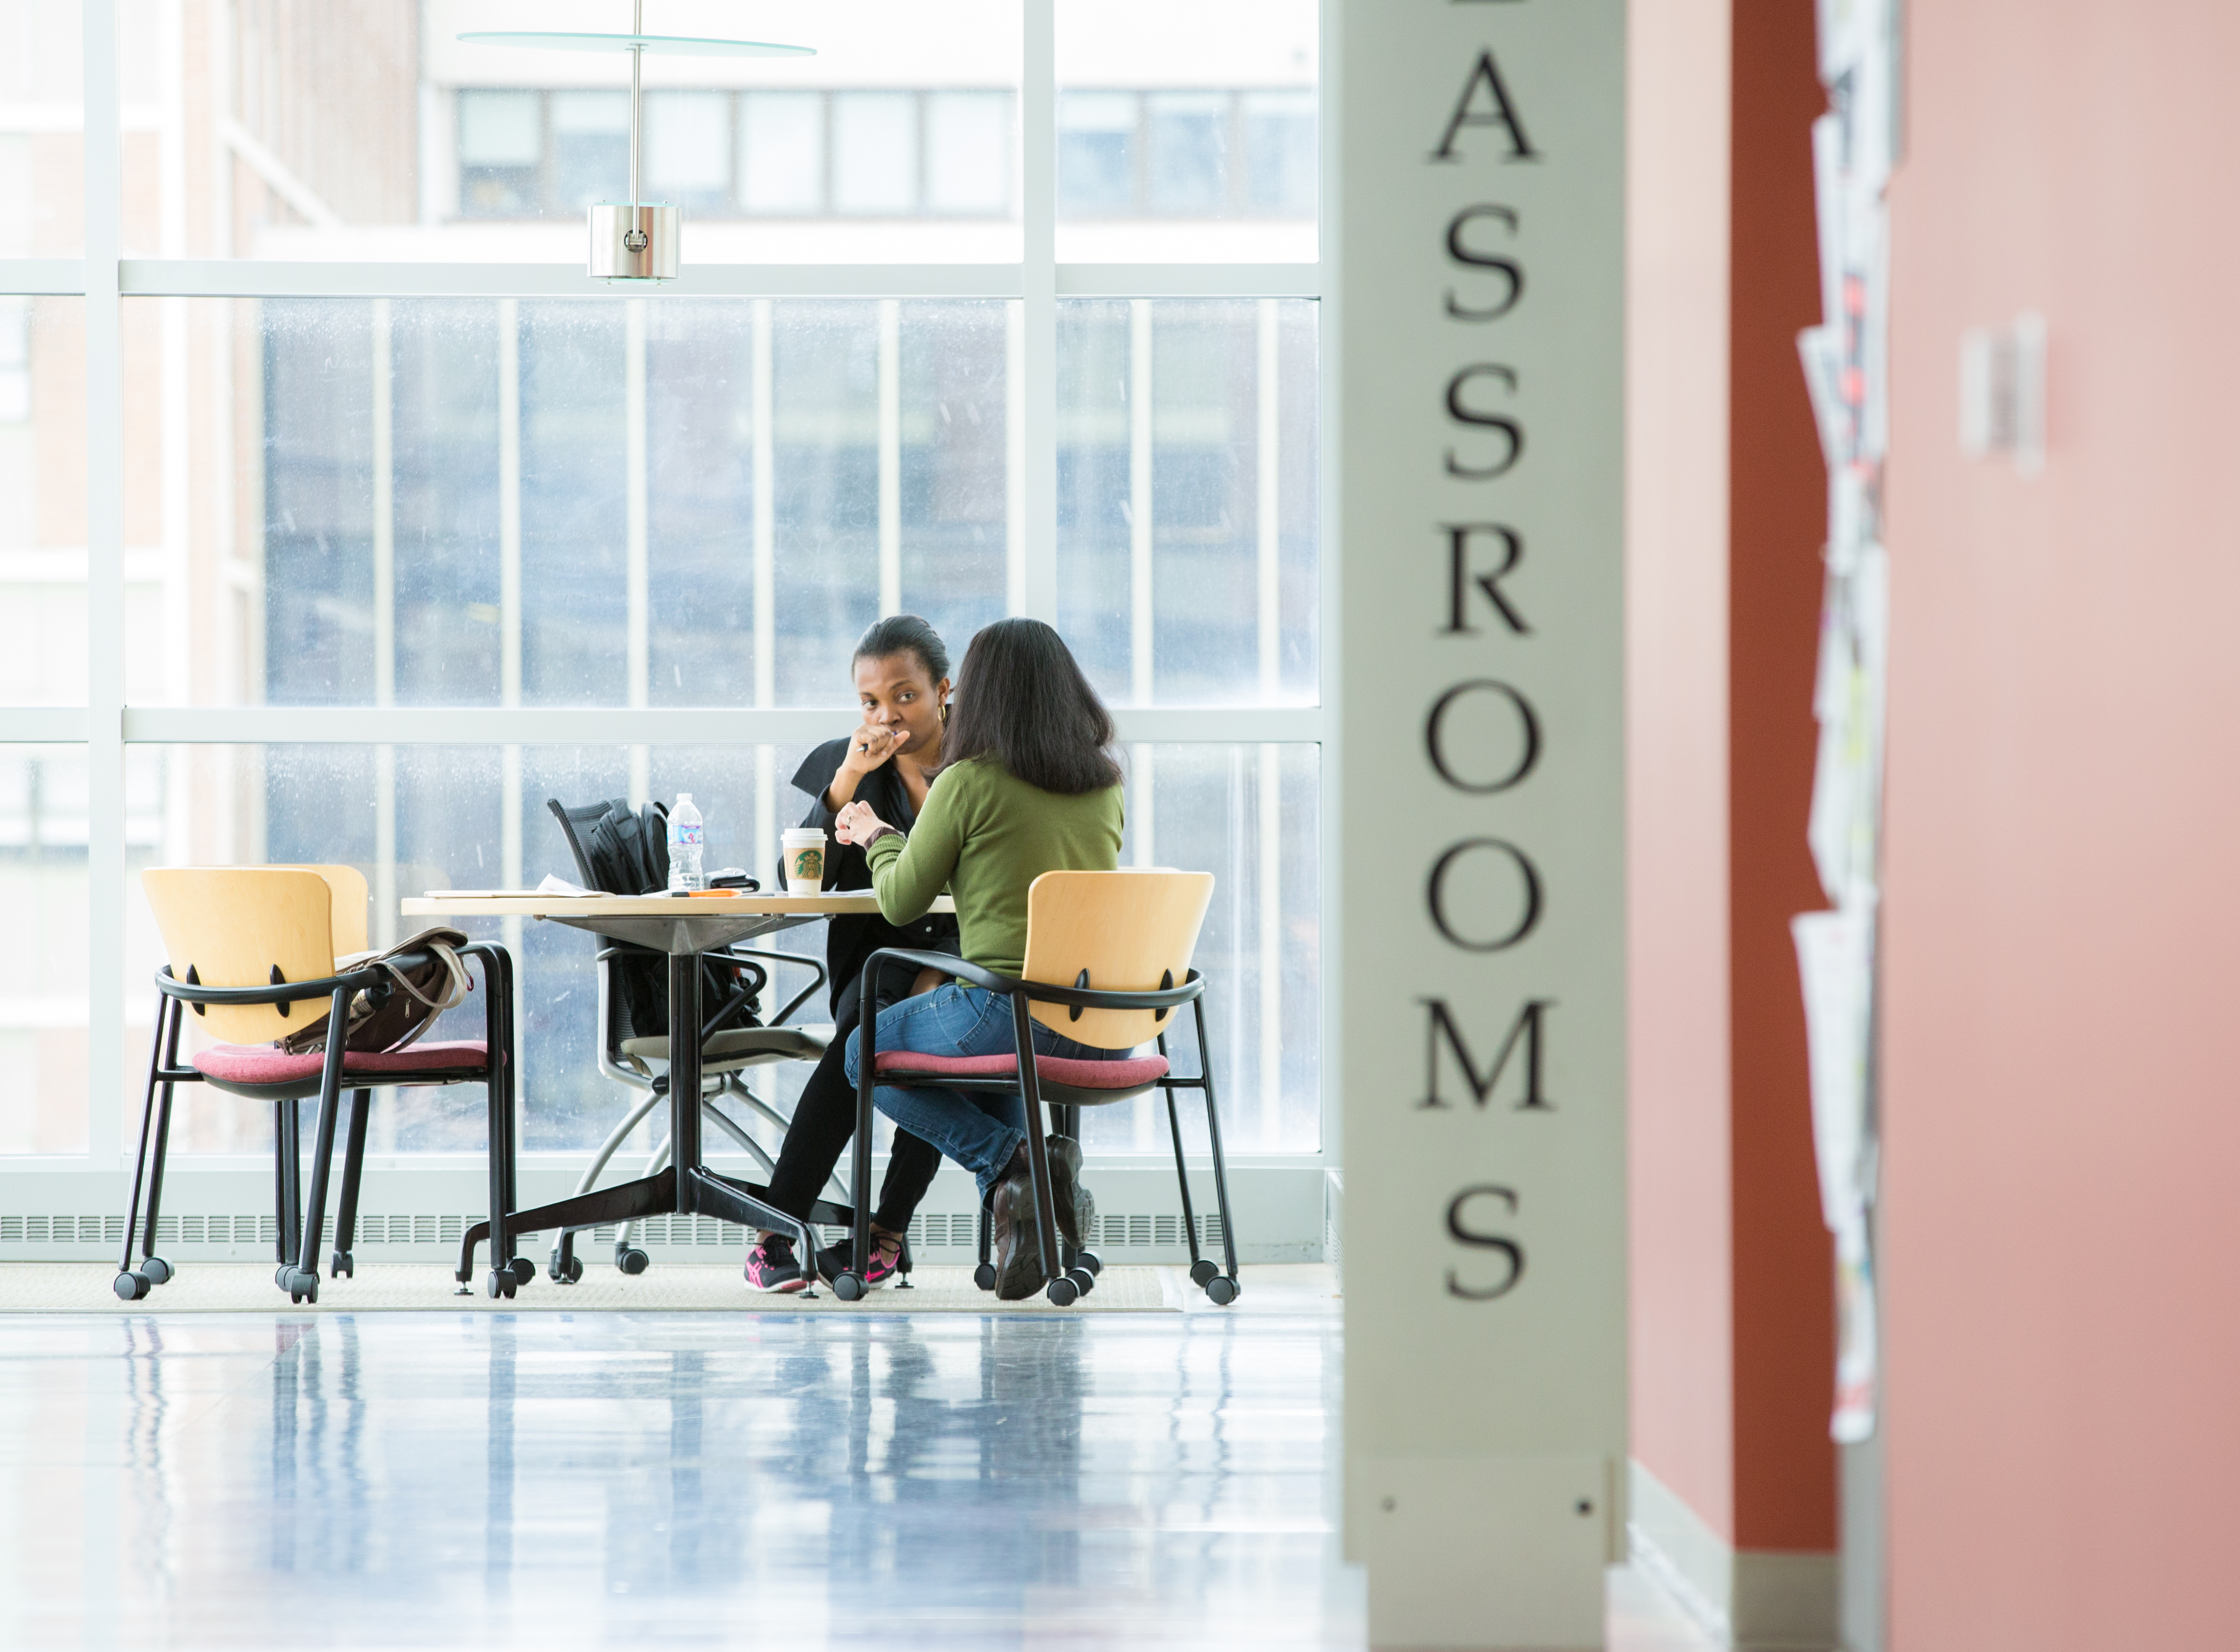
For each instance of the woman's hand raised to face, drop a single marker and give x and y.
(857, 824)
(871, 746)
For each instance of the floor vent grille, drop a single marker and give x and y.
(948, 1231)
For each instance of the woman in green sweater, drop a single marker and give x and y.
(1028, 785)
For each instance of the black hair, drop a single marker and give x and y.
(1021, 699)
(906, 634)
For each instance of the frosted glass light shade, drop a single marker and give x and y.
(653, 45)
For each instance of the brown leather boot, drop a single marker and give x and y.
(1018, 1245)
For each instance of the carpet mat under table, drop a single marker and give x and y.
(236, 1288)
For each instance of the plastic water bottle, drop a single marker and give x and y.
(685, 843)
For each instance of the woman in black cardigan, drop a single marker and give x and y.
(902, 683)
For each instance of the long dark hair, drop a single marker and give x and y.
(1021, 700)
(906, 634)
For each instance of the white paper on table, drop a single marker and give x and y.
(1857, 1350)
(1835, 961)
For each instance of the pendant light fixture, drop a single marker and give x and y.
(635, 240)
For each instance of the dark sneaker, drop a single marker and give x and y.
(886, 1264)
(771, 1266)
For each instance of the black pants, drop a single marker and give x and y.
(824, 1124)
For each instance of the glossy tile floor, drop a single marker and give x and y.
(732, 1480)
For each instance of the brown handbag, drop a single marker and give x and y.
(419, 992)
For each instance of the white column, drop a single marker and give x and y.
(384, 626)
(104, 593)
(638, 621)
(1139, 499)
(765, 553)
(890, 456)
(1038, 306)
(1487, 1200)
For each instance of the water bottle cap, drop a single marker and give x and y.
(683, 796)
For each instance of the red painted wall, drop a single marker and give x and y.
(1732, 1339)
(2062, 893)
(1784, 1314)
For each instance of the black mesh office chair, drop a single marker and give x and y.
(732, 1041)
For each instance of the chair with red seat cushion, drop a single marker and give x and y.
(253, 954)
(1104, 953)
(1099, 1083)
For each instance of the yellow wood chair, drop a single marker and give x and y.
(1107, 961)
(257, 953)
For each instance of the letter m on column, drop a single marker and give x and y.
(1440, 1028)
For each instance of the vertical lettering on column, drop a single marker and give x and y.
(1484, 242)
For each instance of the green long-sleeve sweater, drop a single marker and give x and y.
(987, 836)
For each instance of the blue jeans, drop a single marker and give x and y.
(979, 1129)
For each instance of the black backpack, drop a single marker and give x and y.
(619, 850)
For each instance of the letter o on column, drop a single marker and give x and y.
(1435, 736)
(1435, 894)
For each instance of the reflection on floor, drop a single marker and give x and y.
(444, 1479)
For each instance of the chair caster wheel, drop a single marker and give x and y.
(341, 1265)
(985, 1275)
(1203, 1270)
(156, 1271)
(631, 1260)
(848, 1288)
(130, 1287)
(300, 1287)
(1083, 1281)
(1222, 1288)
(1063, 1293)
(1089, 1260)
(500, 1283)
(525, 1270)
(568, 1273)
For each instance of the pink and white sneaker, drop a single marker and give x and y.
(771, 1266)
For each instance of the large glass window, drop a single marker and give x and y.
(564, 502)
(1197, 153)
(1187, 498)
(410, 528)
(42, 483)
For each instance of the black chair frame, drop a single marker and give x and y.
(301, 1220)
(1066, 1274)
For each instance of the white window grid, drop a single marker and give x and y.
(107, 724)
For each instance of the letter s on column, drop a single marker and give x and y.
(1468, 1235)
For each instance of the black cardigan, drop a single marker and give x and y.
(849, 941)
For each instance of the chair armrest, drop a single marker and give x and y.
(818, 977)
(1094, 998)
(284, 992)
(947, 962)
